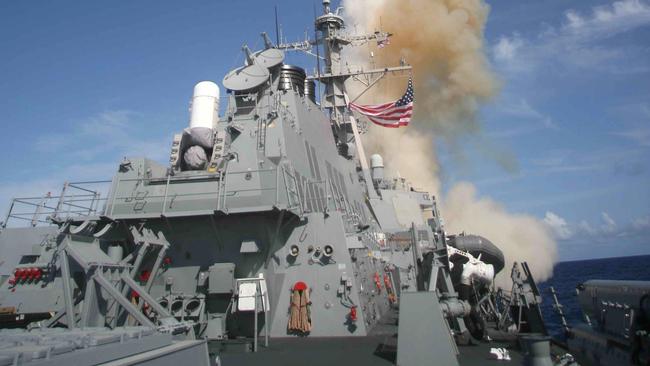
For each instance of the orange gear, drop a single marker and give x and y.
(387, 282)
(377, 283)
(353, 314)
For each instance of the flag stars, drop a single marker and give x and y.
(391, 114)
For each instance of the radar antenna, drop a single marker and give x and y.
(333, 39)
(336, 99)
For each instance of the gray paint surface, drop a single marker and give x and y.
(423, 333)
(284, 173)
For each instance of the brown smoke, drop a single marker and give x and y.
(521, 237)
(443, 41)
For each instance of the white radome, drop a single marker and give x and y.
(205, 105)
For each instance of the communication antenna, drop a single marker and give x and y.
(277, 27)
(320, 96)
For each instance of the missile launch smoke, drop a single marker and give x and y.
(443, 41)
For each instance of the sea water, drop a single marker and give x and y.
(568, 275)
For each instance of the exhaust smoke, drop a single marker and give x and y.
(443, 41)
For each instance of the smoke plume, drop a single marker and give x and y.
(443, 41)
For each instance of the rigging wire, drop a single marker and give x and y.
(316, 43)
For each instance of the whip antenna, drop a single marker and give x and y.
(277, 28)
(320, 96)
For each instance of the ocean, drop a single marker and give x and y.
(567, 275)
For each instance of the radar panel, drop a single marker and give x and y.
(246, 77)
(269, 58)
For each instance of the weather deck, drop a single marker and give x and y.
(379, 348)
(357, 351)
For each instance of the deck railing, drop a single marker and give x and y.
(76, 199)
(91, 198)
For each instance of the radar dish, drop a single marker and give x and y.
(269, 57)
(246, 77)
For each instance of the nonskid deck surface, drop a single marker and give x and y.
(479, 354)
(318, 351)
(356, 351)
(379, 348)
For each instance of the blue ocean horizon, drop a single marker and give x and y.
(567, 275)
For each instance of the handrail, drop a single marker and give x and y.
(164, 204)
(225, 188)
(84, 198)
(117, 184)
(73, 200)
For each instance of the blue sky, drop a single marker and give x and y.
(83, 84)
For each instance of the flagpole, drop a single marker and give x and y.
(368, 88)
(383, 73)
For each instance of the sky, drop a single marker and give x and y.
(83, 84)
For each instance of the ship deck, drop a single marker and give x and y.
(357, 351)
(379, 348)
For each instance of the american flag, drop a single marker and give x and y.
(393, 114)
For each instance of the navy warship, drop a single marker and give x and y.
(271, 238)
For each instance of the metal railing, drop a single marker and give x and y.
(101, 197)
(220, 192)
(75, 199)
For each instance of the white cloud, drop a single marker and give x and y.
(108, 135)
(604, 231)
(585, 227)
(52, 183)
(553, 158)
(608, 20)
(640, 135)
(521, 108)
(574, 19)
(641, 223)
(507, 47)
(565, 161)
(89, 150)
(576, 41)
(558, 226)
(564, 230)
(609, 225)
(620, 15)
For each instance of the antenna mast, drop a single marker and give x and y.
(337, 71)
(277, 27)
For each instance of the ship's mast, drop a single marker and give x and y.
(329, 25)
(337, 71)
(335, 100)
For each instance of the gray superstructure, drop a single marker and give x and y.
(268, 228)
